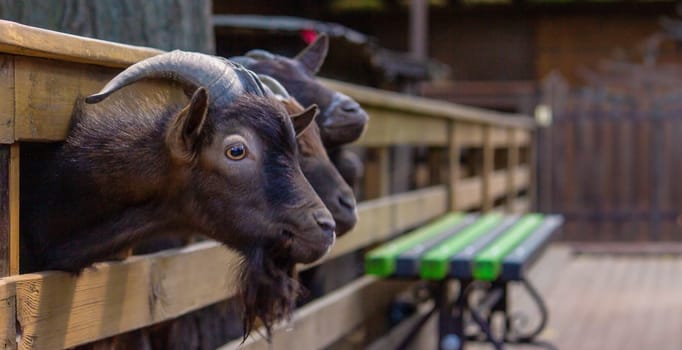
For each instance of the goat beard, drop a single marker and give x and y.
(269, 288)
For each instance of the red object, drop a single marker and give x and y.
(308, 35)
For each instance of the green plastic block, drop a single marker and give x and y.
(436, 262)
(381, 261)
(487, 264)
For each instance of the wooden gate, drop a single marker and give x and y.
(611, 161)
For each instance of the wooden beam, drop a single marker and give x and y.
(322, 322)
(57, 310)
(46, 92)
(512, 163)
(6, 99)
(387, 128)
(522, 177)
(383, 218)
(377, 179)
(469, 193)
(14, 172)
(25, 40)
(5, 216)
(469, 134)
(499, 137)
(419, 28)
(370, 97)
(487, 168)
(8, 331)
(399, 333)
(453, 166)
(498, 184)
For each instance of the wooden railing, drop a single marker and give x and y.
(43, 72)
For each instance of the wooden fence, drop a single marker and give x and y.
(610, 161)
(486, 162)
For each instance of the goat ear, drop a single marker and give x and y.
(185, 132)
(313, 56)
(303, 120)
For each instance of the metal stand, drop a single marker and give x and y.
(453, 316)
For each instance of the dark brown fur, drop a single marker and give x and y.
(129, 171)
(341, 120)
(318, 169)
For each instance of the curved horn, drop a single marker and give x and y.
(259, 54)
(243, 60)
(274, 86)
(221, 78)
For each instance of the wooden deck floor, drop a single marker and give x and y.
(606, 302)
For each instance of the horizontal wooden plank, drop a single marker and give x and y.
(24, 40)
(46, 91)
(521, 205)
(394, 127)
(469, 193)
(8, 333)
(385, 217)
(523, 137)
(57, 310)
(499, 137)
(522, 177)
(400, 332)
(369, 97)
(498, 184)
(6, 99)
(320, 323)
(469, 134)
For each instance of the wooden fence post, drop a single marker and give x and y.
(453, 165)
(487, 168)
(377, 173)
(9, 209)
(512, 165)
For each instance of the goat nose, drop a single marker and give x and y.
(347, 202)
(350, 107)
(325, 221)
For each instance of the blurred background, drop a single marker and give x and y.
(603, 78)
(602, 74)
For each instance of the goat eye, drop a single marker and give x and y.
(236, 152)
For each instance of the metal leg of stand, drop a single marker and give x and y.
(451, 318)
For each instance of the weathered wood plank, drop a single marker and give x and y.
(499, 137)
(377, 173)
(522, 137)
(8, 332)
(382, 218)
(4, 210)
(498, 184)
(512, 163)
(522, 177)
(469, 193)
(46, 92)
(369, 97)
(57, 310)
(14, 172)
(469, 134)
(324, 321)
(24, 40)
(395, 127)
(453, 165)
(487, 168)
(6, 99)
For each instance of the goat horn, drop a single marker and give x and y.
(243, 60)
(274, 86)
(259, 54)
(221, 78)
